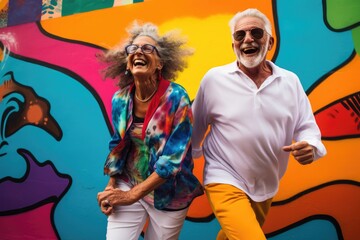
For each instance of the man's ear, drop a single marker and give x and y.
(271, 43)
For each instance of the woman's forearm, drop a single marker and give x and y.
(147, 186)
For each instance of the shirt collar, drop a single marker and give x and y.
(233, 68)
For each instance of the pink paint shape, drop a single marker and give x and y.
(76, 57)
(34, 224)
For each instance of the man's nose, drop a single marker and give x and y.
(248, 37)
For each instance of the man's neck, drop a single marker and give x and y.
(259, 73)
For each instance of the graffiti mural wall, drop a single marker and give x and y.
(55, 111)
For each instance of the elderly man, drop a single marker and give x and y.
(258, 114)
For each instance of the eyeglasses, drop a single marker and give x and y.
(146, 49)
(256, 33)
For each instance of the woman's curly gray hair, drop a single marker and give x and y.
(171, 48)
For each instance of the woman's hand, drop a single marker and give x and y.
(114, 197)
(106, 207)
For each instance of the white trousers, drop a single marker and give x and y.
(127, 222)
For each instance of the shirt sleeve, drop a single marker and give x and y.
(200, 122)
(306, 127)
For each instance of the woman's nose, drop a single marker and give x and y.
(138, 50)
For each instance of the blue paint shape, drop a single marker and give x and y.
(307, 47)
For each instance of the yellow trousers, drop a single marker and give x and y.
(240, 218)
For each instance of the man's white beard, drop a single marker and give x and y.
(253, 62)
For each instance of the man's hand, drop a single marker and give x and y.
(303, 152)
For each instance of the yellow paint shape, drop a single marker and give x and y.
(210, 50)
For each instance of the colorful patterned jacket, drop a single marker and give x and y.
(167, 132)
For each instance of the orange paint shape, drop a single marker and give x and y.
(108, 26)
(200, 207)
(340, 162)
(4, 5)
(343, 82)
(339, 200)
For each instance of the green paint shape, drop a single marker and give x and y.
(70, 7)
(342, 14)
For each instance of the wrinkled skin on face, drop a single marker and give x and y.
(251, 52)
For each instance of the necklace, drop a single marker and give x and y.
(146, 99)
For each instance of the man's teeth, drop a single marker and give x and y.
(249, 50)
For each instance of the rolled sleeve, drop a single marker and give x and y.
(165, 168)
(197, 152)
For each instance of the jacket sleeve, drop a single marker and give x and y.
(178, 143)
(119, 143)
(115, 139)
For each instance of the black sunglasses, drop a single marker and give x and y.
(256, 33)
(146, 49)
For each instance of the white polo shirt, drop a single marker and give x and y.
(249, 127)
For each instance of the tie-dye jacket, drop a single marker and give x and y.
(167, 132)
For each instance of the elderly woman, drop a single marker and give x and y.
(150, 163)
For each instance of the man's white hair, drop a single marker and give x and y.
(250, 12)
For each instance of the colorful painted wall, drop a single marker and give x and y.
(55, 110)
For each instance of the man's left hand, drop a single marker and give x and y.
(303, 152)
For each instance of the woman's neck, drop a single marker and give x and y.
(145, 89)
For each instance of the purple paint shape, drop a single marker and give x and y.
(41, 183)
(21, 11)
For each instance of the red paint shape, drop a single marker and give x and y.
(339, 119)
